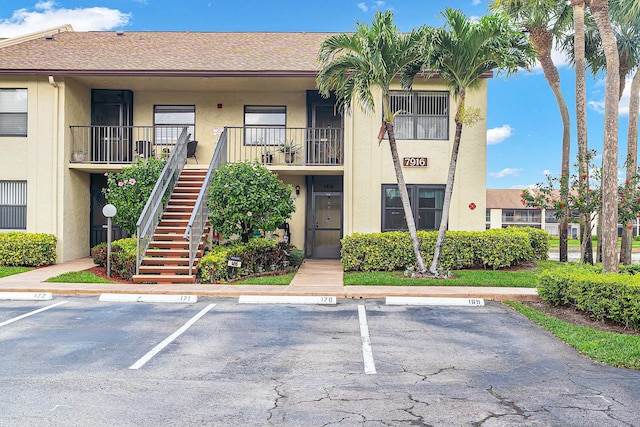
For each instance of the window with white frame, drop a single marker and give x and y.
(427, 213)
(13, 112)
(420, 115)
(170, 120)
(13, 205)
(265, 124)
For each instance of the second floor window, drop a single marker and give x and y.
(170, 120)
(265, 124)
(421, 115)
(13, 112)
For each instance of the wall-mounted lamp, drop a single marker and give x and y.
(297, 190)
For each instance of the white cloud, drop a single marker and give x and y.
(623, 106)
(46, 14)
(506, 172)
(497, 135)
(363, 7)
(475, 2)
(547, 172)
(379, 4)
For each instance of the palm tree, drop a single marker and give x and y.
(544, 21)
(352, 65)
(600, 11)
(578, 9)
(461, 53)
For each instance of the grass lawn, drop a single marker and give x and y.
(282, 279)
(607, 347)
(10, 271)
(78, 277)
(525, 278)
(575, 243)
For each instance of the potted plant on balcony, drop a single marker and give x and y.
(267, 156)
(289, 149)
(79, 156)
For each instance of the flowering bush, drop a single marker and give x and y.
(129, 190)
(246, 197)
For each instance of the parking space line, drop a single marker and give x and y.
(367, 352)
(6, 322)
(473, 302)
(144, 359)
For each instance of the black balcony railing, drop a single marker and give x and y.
(121, 144)
(269, 145)
(285, 146)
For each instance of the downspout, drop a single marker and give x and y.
(55, 158)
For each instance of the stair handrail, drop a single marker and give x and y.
(153, 209)
(200, 213)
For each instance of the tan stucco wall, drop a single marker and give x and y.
(34, 158)
(76, 102)
(210, 120)
(369, 165)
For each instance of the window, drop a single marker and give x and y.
(421, 115)
(170, 120)
(521, 216)
(427, 212)
(13, 205)
(264, 124)
(13, 112)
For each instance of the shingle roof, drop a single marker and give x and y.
(196, 53)
(505, 199)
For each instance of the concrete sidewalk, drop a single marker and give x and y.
(315, 277)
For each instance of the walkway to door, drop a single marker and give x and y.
(318, 276)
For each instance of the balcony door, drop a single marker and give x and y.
(325, 138)
(111, 116)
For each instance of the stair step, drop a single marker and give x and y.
(166, 261)
(175, 253)
(166, 269)
(168, 236)
(164, 278)
(176, 215)
(174, 223)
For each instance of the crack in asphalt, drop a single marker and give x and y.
(276, 402)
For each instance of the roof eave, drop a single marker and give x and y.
(161, 73)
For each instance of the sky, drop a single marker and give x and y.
(524, 130)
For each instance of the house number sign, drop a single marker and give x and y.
(415, 162)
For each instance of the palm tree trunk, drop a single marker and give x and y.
(448, 192)
(586, 244)
(632, 162)
(404, 197)
(600, 12)
(543, 42)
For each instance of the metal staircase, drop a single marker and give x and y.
(166, 259)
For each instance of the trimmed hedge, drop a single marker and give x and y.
(614, 297)
(258, 255)
(392, 250)
(27, 249)
(123, 256)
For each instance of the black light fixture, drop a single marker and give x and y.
(297, 190)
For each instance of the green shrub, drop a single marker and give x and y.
(392, 251)
(539, 240)
(129, 189)
(27, 249)
(636, 238)
(614, 297)
(257, 255)
(123, 256)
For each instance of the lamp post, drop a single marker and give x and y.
(109, 211)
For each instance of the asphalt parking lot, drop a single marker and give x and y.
(76, 361)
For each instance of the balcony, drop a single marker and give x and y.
(273, 146)
(119, 145)
(281, 146)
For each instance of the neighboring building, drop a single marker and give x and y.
(74, 105)
(505, 208)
